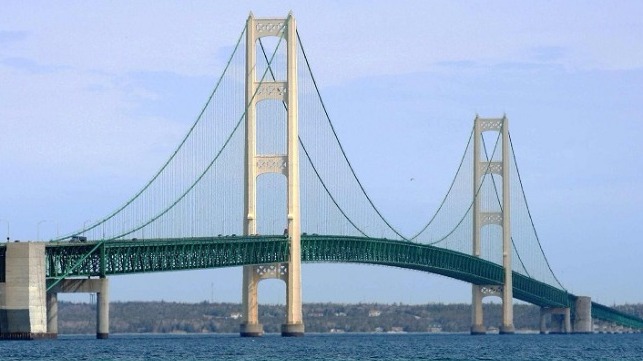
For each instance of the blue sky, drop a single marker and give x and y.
(94, 96)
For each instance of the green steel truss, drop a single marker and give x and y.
(606, 313)
(66, 259)
(158, 255)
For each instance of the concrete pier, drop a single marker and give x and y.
(251, 330)
(23, 311)
(100, 286)
(583, 315)
(102, 310)
(52, 313)
(560, 320)
(292, 330)
(478, 330)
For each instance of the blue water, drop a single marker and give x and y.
(330, 347)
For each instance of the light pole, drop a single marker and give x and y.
(4, 220)
(38, 228)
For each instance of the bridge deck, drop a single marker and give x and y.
(67, 259)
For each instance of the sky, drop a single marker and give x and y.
(94, 96)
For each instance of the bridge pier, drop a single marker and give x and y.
(479, 292)
(250, 303)
(102, 310)
(583, 315)
(52, 313)
(100, 286)
(477, 324)
(23, 314)
(252, 276)
(251, 330)
(560, 320)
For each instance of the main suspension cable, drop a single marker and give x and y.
(301, 46)
(172, 156)
(513, 153)
(464, 155)
(495, 188)
(477, 193)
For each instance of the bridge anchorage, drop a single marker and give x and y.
(165, 228)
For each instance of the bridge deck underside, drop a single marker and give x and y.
(142, 256)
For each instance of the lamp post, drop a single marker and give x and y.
(4, 220)
(38, 228)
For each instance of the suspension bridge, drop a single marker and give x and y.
(262, 181)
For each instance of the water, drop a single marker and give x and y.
(329, 347)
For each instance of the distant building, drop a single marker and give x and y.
(236, 315)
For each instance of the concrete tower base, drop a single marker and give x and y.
(507, 330)
(478, 330)
(251, 330)
(292, 330)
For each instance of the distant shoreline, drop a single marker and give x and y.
(163, 317)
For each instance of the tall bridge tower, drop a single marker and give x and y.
(483, 217)
(284, 90)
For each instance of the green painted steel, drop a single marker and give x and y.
(158, 255)
(609, 314)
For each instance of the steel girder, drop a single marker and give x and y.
(428, 259)
(158, 255)
(609, 314)
(154, 255)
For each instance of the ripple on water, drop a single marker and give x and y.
(344, 347)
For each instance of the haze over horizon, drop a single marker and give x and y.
(95, 96)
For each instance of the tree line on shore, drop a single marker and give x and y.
(176, 317)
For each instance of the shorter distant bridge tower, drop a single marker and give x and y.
(286, 164)
(482, 217)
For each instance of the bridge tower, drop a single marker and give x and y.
(482, 217)
(287, 164)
